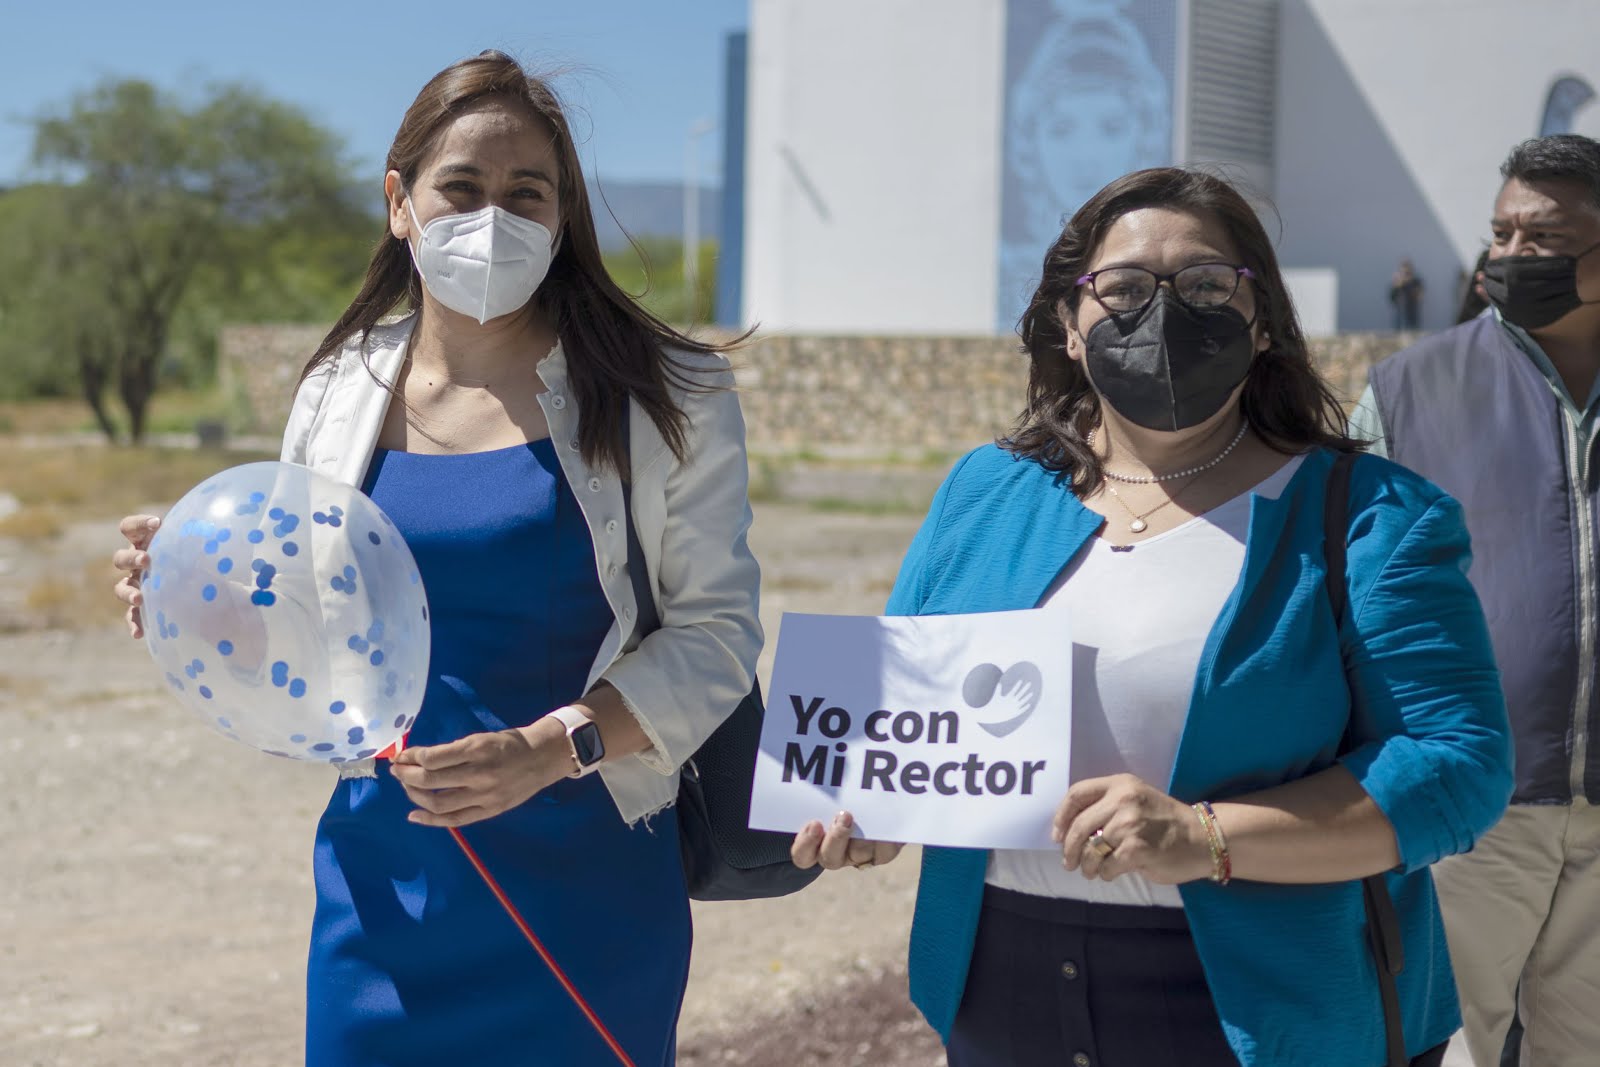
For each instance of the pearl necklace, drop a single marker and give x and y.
(1153, 478)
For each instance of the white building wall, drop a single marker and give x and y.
(1393, 119)
(872, 175)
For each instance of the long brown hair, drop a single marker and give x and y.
(614, 347)
(1285, 400)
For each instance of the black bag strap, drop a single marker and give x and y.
(638, 572)
(1383, 923)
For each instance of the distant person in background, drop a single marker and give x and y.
(1405, 295)
(1471, 300)
(1503, 412)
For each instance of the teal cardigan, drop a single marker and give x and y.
(1288, 965)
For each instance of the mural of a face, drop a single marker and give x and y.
(1087, 132)
(1086, 102)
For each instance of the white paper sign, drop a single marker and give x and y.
(935, 729)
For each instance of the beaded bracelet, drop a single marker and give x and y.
(1221, 862)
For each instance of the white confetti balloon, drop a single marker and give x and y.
(287, 612)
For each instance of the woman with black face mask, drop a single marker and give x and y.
(1284, 703)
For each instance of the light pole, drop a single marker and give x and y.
(691, 214)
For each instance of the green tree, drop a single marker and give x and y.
(240, 199)
(651, 269)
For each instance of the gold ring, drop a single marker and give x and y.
(1101, 846)
(863, 864)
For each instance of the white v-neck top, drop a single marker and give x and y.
(1139, 618)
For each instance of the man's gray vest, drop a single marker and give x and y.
(1470, 411)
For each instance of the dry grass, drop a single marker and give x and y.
(172, 409)
(72, 602)
(39, 523)
(91, 482)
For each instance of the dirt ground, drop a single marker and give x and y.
(155, 888)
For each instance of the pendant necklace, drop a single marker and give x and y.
(1137, 523)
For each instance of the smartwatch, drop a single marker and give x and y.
(583, 739)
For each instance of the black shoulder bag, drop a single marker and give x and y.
(1383, 923)
(723, 859)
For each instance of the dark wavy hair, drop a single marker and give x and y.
(614, 347)
(1285, 400)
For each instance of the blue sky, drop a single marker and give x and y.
(642, 72)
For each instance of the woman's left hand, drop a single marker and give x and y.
(481, 775)
(1146, 830)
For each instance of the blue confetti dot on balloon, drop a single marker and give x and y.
(325, 746)
(399, 721)
(255, 537)
(209, 593)
(297, 738)
(349, 572)
(415, 577)
(172, 629)
(291, 549)
(319, 517)
(224, 723)
(225, 647)
(424, 613)
(224, 565)
(336, 707)
(175, 681)
(263, 599)
(375, 631)
(297, 688)
(256, 498)
(356, 735)
(224, 534)
(356, 644)
(336, 759)
(376, 659)
(205, 691)
(366, 753)
(275, 752)
(257, 564)
(275, 513)
(211, 548)
(374, 538)
(280, 674)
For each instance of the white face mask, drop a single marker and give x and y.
(483, 264)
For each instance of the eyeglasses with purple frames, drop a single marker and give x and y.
(1121, 290)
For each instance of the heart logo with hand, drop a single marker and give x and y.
(1010, 695)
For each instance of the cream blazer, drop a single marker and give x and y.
(692, 518)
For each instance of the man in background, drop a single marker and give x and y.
(1501, 412)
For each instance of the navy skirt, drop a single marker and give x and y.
(1063, 982)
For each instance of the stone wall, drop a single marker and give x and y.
(858, 395)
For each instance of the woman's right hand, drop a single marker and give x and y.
(833, 847)
(138, 529)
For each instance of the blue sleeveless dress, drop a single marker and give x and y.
(413, 961)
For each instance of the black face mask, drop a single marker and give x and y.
(1169, 366)
(1534, 291)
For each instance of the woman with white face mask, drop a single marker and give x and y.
(494, 420)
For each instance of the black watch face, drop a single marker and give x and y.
(586, 743)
